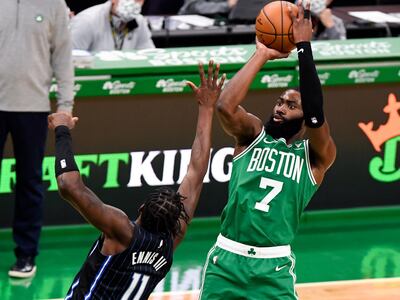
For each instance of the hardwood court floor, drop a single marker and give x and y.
(332, 248)
(367, 289)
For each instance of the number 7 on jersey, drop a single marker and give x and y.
(276, 189)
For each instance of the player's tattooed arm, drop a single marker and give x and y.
(206, 95)
(113, 222)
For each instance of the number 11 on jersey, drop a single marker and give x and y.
(276, 189)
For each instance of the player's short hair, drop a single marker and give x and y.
(163, 211)
(295, 88)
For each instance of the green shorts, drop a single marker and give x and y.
(246, 273)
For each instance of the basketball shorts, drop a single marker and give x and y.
(236, 271)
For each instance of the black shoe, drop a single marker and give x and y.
(24, 268)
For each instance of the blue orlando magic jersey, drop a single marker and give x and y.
(132, 274)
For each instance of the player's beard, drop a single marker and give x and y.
(286, 129)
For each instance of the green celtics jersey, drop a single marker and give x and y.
(270, 185)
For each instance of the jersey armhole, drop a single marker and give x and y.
(309, 169)
(260, 136)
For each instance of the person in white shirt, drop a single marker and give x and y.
(326, 26)
(113, 25)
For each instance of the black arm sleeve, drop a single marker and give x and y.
(65, 161)
(310, 87)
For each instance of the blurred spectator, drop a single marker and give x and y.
(78, 6)
(71, 13)
(208, 8)
(35, 46)
(113, 25)
(161, 7)
(326, 26)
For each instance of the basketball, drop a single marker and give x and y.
(274, 26)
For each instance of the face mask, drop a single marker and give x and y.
(127, 10)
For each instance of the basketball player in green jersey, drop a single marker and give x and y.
(275, 173)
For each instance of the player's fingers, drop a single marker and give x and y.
(201, 72)
(291, 12)
(49, 120)
(191, 85)
(299, 3)
(74, 121)
(210, 72)
(307, 11)
(216, 74)
(222, 81)
(308, 5)
(300, 14)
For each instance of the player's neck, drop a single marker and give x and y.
(298, 136)
(290, 130)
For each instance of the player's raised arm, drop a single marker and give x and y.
(206, 95)
(113, 222)
(235, 120)
(323, 149)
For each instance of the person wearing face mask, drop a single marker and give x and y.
(326, 26)
(113, 25)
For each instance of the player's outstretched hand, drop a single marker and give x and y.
(302, 25)
(270, 54)
(209, 90)
(62, 118)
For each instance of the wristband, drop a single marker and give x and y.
(310, 87)
(65, 161)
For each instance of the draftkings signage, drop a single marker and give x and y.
(140, 165)
(385, 141)
(128, 145)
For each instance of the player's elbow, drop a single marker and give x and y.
(224, 108)
(68, 185)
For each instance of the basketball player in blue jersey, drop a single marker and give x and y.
(275, 172)
(130, 258)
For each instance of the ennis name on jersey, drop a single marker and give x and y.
(132, 274)
(150, 258)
